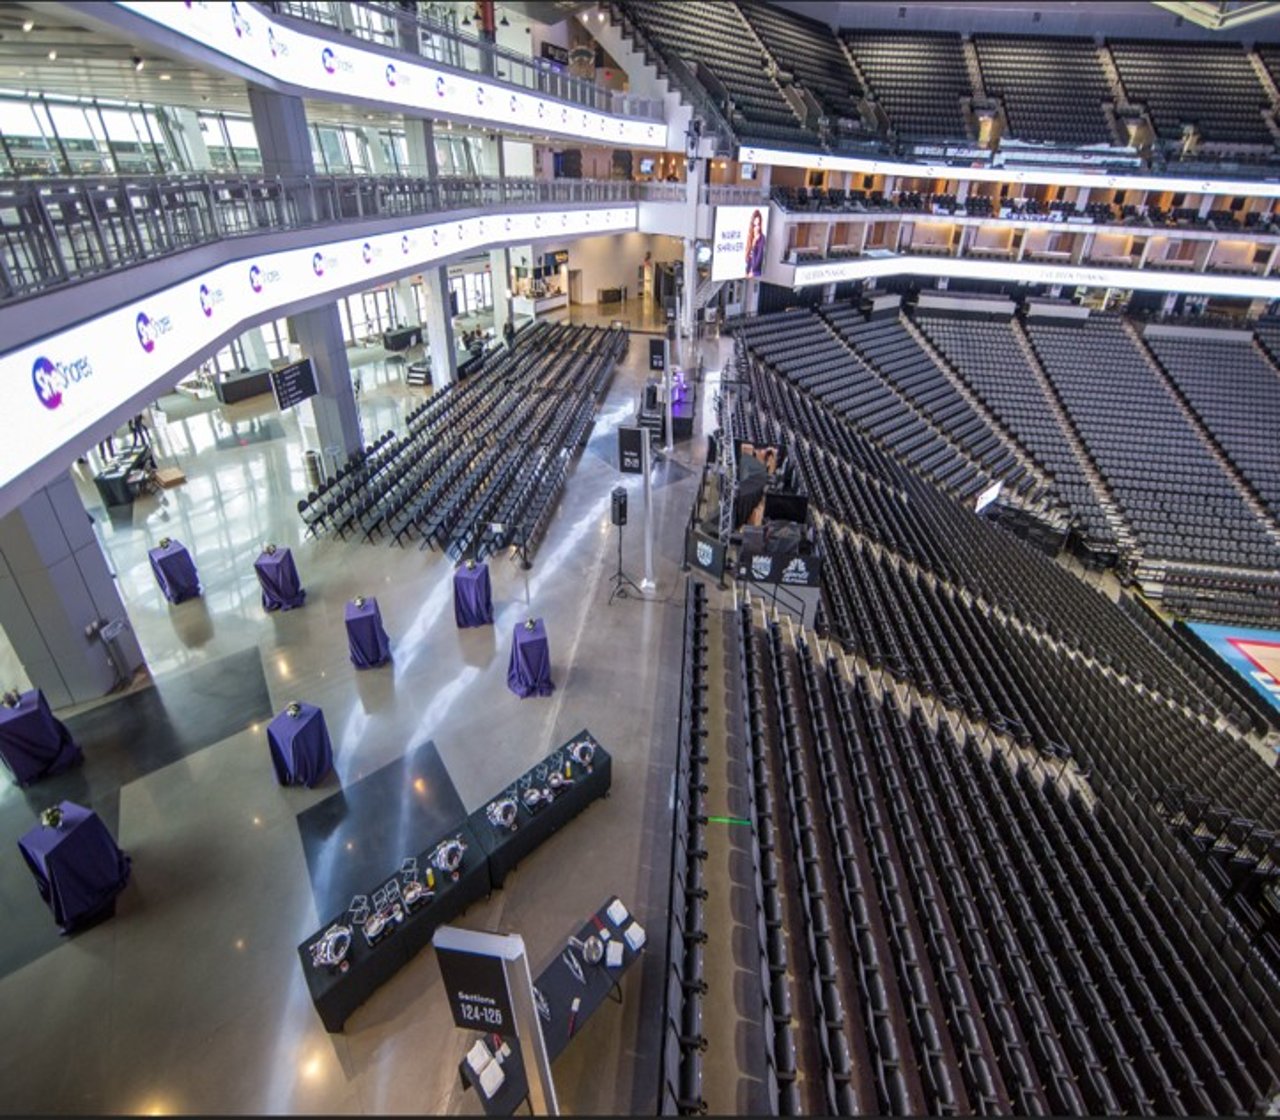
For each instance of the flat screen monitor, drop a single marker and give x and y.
(646, 167)
(786, 507)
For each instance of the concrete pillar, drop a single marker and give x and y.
(186, 129)
(439, 333)
(690, 288)
(55, 582)
(333, 409)
(405, 304)
(280, 120)
(255, 348)
(500, 274)
(420, 143)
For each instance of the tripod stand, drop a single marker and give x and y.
(621, 581)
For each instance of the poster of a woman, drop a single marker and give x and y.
(755, 244)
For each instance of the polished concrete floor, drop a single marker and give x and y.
(192, 998)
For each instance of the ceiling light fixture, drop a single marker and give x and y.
(466, 19)
(53, 56)
(504, 22)
(28, 25)
(166, 77)
(138, 63)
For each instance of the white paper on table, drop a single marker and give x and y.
(492, 1078)
(635, 936)
(613, 955)
(617, 912)
(478, 1057)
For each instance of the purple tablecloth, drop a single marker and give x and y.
(175, 572)
(33, 741)
(278, 576)
(78, 867)
(369, 643)
(529, 672)
(472, 596)
(300, 747)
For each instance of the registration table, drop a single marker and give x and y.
(77, 866)
(537, 818)
(175, 571)
(113, 483)
(300, 749)
(338, 989)
(34, 743)
(278, 578)
(560, 983)
(369, 643)
(529, 671)
(472, 596)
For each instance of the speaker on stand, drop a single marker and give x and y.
(618, 515)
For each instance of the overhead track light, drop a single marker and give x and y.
(28, 25)
(138, 63)
(53, 56)
(504, 22)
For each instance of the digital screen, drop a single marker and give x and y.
(702, 254)
(646, 167)
(293, 384)
(739, 242)
(336, 70)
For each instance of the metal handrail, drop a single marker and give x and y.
(55, 232)
(521, 70)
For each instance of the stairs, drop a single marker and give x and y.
(707, 291)
(1264, 76)
(1118, 94)
(973, 66)
(1259, 511)
(1125, 540)
(958, 384)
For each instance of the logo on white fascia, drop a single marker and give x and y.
(259, 278)
(705, 554)
(440, 88)
(150, 331)
(395, 77)
(279, 48)
(320, 263)
(406, 243)
(761, 566)
(209, 299)
(238, 21)
(369, 252)
(332, 63)
(51, 379)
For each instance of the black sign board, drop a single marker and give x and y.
(657, 353)
(293, 384)
(555, 54)
(631, 450)
(704, 553)
(794, 569)
(476, 985)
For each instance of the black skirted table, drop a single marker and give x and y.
(366, 636)
(175, 572)
(472, 596)
(278, 578)
(77, 867)
(529, 671)
(112, 481)
(300, 749)
(560, 985)
(34, 743)
(338, 991)
(554, 807)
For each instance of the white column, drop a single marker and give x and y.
(439, 334)
(337, 420)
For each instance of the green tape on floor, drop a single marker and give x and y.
(728, 820)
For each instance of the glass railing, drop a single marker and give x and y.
(440, 43)
(55, 232)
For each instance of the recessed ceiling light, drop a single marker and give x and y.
(166, 77)
(138, 63)
(28, 25)
(53, 56)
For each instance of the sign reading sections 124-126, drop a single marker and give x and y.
(475, 981)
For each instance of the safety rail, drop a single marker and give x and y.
(55, 232)
(416, 33)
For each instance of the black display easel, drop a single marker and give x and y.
(621, 581)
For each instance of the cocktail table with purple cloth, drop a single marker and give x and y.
(369, 643)
(278, 576)
(472, 596)
(34, 743)
(175, 572)
(300, 749)
(529, 672)
(77, 866)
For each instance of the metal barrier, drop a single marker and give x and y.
(58, 231)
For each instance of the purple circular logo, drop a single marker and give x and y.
(404, 243)
(366, 251)
(542, 109)
(235, 18)
(440, 86)
(435, 237)
(206, 300)
(479, 95)
(273, 42)
(146, 335)
(513, 102)
(255, 278)
(317, 264)
(391, 74)
(44, 376)
(326, 60)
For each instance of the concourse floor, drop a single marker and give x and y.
(192, 999)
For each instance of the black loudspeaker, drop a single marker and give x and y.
(618, 510)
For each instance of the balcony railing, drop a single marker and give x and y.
(58, 231)
(438, 42)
